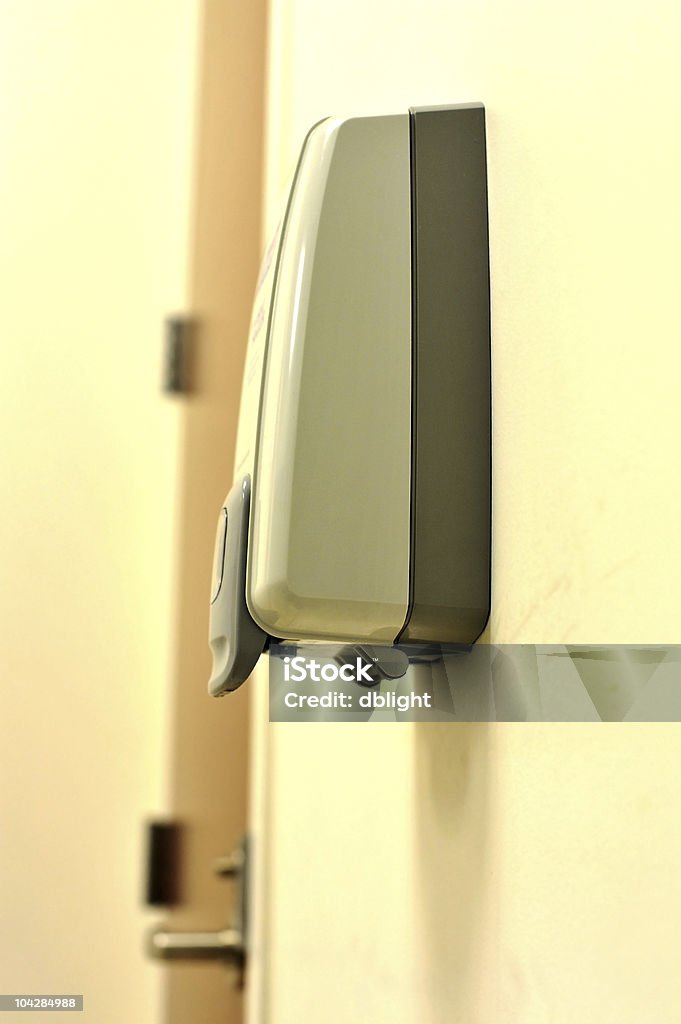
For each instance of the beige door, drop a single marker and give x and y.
(209, 745)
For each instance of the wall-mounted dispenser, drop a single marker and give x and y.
(361, 503)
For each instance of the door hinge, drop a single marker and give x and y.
(177, 355)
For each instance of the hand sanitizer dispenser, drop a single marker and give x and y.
(360, 507)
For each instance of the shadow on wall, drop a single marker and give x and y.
(454, 864)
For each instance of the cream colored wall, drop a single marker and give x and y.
(524, 873)
(96, 122)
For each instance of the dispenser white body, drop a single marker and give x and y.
(354, 524)
(330, 458)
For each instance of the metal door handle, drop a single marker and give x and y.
(226, 945)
